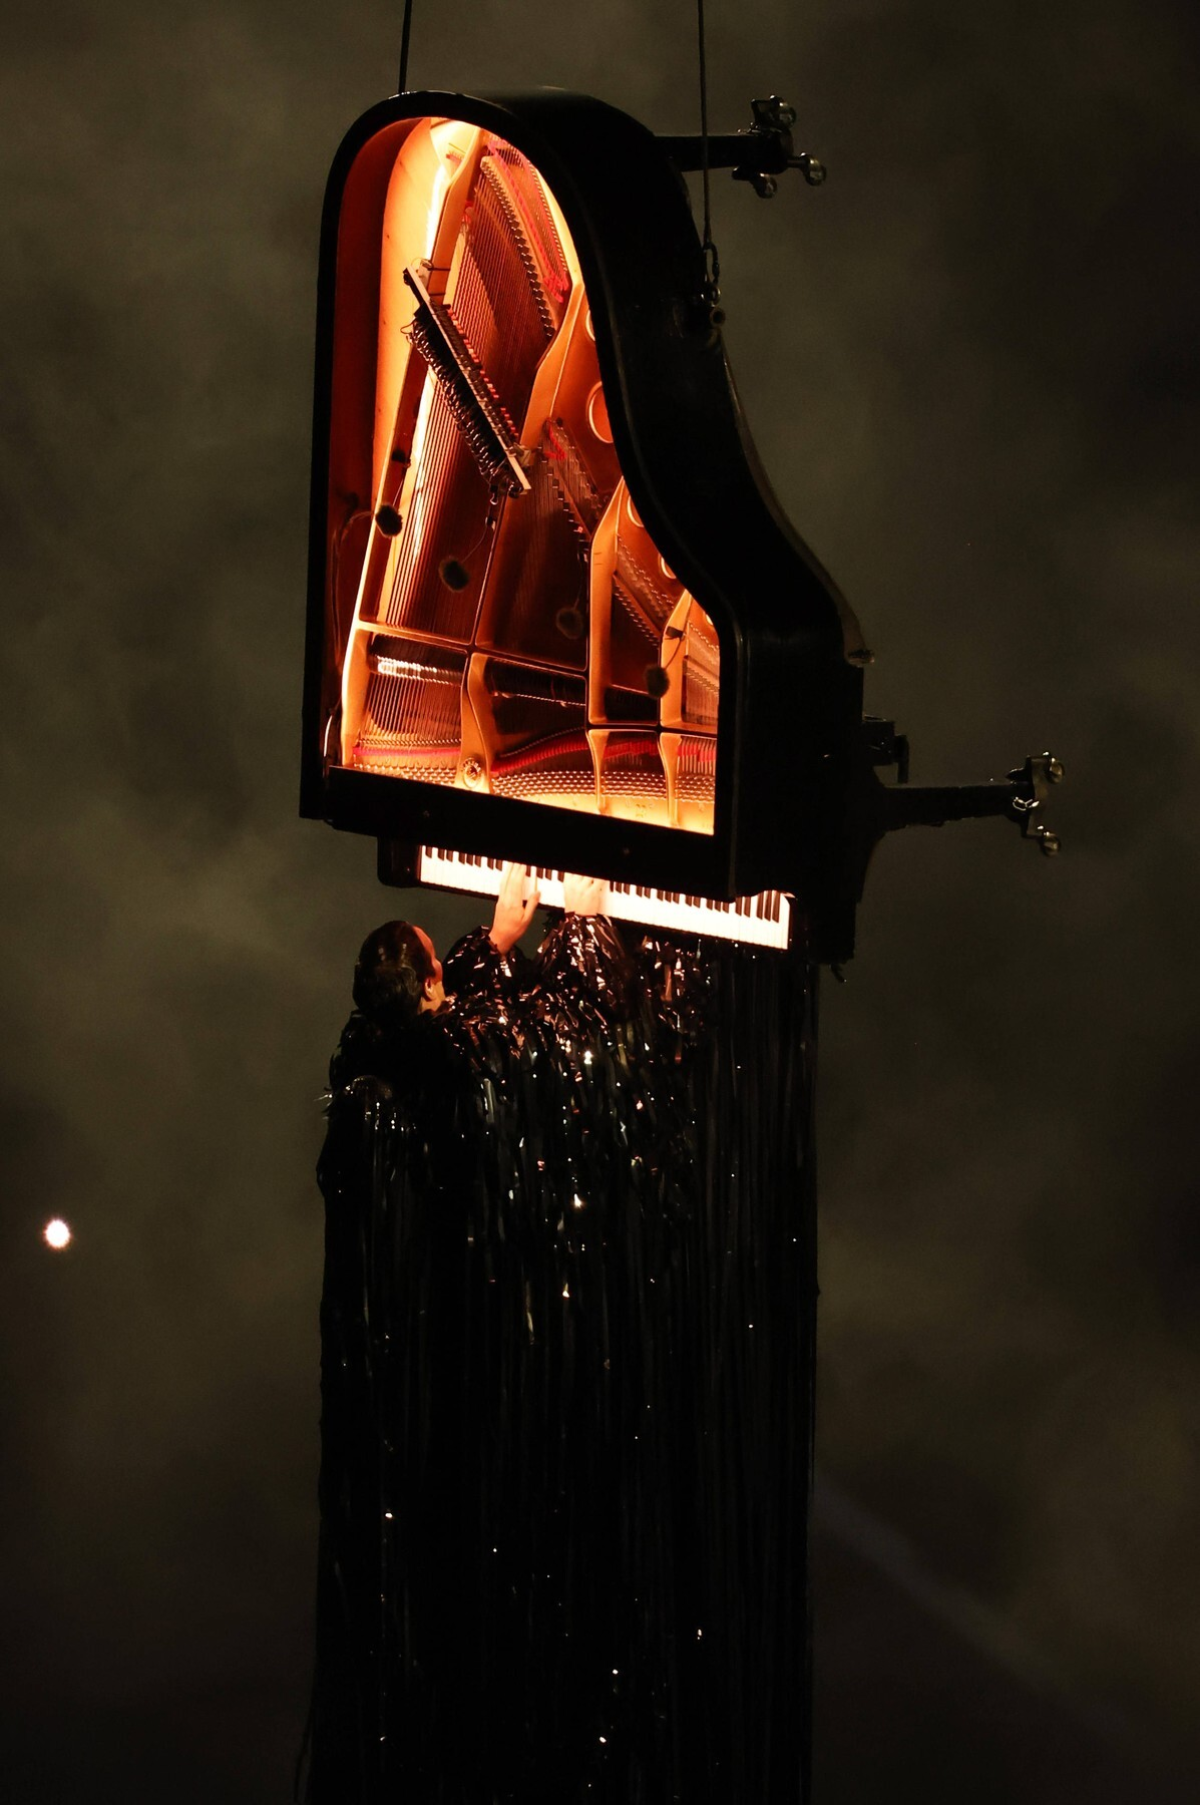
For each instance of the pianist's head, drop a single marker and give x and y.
(398, 975)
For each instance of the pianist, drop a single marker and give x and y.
(399, 979)
(503, 1143)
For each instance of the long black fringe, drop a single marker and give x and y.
(567, 1358)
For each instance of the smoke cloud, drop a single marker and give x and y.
(970, 363)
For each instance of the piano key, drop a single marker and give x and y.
(762, 920)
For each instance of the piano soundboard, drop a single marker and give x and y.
(761, 920)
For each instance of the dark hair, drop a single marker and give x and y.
(389, 978)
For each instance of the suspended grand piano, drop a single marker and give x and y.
(555, 613)
(556, 616)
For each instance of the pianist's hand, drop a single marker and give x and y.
(584, 895)
(515, 904)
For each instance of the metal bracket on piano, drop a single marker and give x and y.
(759, 155)
(762, 920)
(1020, 799)
(884, 746)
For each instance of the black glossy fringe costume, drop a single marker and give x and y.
(566, 1384)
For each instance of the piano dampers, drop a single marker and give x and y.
(412, 714)
(483, 423)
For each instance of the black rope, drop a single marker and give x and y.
(712, 263)
(405, 35)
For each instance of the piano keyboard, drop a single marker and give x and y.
(762, 920)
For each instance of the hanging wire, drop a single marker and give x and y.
(406, 33)
(712, 263)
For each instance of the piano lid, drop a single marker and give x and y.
(555, 613)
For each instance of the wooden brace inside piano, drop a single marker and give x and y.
(504, 621)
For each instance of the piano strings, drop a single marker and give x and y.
(505, 544)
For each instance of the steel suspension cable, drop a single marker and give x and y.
(712, 263)
(406, 33)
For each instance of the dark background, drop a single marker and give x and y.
(968, 361)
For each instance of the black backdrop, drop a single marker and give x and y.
(968, 362)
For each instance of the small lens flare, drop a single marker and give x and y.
(56, 1233)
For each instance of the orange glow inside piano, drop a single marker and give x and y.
(555, 614)
(515, 631)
